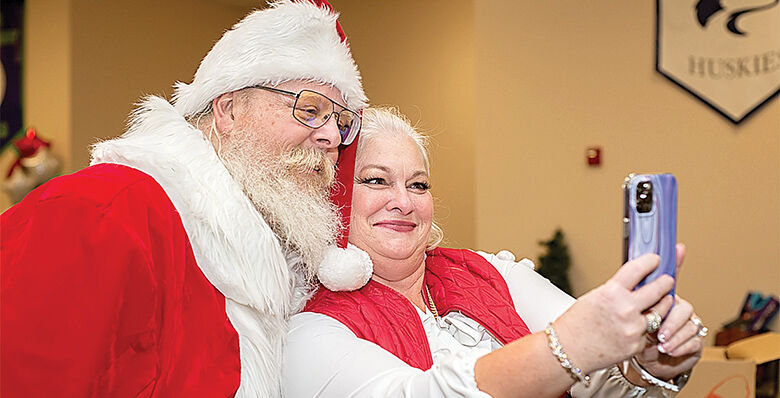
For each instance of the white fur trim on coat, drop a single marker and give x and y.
(233, 245)
(288, 41)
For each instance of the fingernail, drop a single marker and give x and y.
(661, 349)
(662, 337)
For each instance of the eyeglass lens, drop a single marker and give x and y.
(314, 110)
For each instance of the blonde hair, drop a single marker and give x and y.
(388, 120)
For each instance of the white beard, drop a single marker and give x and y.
(290, 189)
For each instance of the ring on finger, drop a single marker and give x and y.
(701, 329)
(653, 321)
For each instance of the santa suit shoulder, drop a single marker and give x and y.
(101, 295)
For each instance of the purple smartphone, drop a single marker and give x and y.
(650, 221)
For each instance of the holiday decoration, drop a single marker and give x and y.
(555, 263)
(34, 165)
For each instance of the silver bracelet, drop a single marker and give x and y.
(563, 358)
(646, 376)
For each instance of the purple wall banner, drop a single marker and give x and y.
(12, 17)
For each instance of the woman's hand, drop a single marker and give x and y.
(678, 346)
(607, 325)
(681, 349)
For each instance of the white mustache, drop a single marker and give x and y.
(311, 159)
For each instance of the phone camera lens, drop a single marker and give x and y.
(644, 197)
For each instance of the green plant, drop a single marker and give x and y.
(554, 265)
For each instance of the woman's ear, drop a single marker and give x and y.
(222, 108)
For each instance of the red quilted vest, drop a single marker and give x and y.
(459, 280)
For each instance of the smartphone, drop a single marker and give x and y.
(650, 221)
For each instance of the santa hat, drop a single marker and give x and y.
(290, 40)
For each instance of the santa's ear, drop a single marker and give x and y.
(222, 108)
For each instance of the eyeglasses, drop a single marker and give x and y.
(314, 110)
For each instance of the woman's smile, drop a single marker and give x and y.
(396, 225)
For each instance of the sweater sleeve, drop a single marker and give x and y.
(79, 296)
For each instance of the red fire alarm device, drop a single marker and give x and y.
(593, 156)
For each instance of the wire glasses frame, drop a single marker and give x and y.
(314, 109)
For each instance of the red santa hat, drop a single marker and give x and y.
(290, 40)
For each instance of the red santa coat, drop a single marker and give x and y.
(146, 279)
(101, 295)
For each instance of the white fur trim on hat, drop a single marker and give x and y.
(345, 269)
(287, 41)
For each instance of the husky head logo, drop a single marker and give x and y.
(706, 10)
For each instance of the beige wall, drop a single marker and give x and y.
(125, 50)
(47, 65)
(513, 92)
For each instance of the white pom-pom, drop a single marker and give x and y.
(345, 269)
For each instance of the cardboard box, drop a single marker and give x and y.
(730, 372)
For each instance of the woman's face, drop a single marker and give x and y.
(392, 207)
